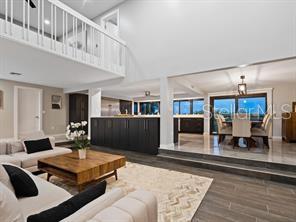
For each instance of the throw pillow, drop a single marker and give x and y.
(70, 206)
(22, 183)
(34, 146)
(4, 178)
(9, 206)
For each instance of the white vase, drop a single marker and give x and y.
(82, 154)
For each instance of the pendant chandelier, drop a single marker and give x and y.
(242, 87)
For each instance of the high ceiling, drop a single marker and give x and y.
(266, 75)
(92, 8)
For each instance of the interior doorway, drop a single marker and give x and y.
(27, 110)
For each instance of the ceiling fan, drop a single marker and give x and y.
(31, 3)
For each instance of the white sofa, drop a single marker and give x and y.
(12, 151)
(113, 206)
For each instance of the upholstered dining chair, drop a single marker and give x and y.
(223, 129)
(264, 130)
(241, 128)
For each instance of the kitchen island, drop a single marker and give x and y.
(134, 133)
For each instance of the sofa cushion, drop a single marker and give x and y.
(149, 200)
(29, 160)
(70, 206)
(10, 159)
(9, 207)
(4, 178)
(3, 147)
(49, 196)
(112, 214)
(90, 210)
(22, 183)
(34, 146)
(135, 208)
(15, 147)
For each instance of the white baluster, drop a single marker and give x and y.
(42, 21)
(24, 18)
(55, 28)
(63, 48)
(6, 16)
(73, 30)
(83, 41)
(51, 25)
(38, 21)
(99, 45)
(11, 16)
(66, 33)
(76, 38)
(28, 21)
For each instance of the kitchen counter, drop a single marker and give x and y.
(151, 116)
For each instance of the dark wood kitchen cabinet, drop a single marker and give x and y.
(192, 125)
(135, 134)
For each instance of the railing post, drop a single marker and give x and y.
(63, 48)
(11, 16)
(55, 28)
(24, 18)
(6, 16)
(76, 38)
(28, 22)
(66, 33)
(42, 21)
(51, 25)
(38, 26)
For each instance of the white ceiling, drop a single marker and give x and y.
(43, 68)
(193, 85)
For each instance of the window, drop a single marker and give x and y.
(254, 106)
(197, 107)
(176, 107)
(136, 108)
(224, 106)
(185, 107)
(149, 108)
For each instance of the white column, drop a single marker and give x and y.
(133, 108)
(166, 113)
(207, 115)
(94, 105)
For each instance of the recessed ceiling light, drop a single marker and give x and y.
(15, 73)
(46, 22)
(243, 65)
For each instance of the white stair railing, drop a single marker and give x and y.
(54, 26)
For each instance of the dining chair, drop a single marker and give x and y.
(263, 131)
(223, 129)
(241, 128)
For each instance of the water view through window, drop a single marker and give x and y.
(254, 106)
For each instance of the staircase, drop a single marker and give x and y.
(54, 27)
(265, 170)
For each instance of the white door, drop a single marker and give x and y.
(29, 110)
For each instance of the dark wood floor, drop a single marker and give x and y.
(233, 198)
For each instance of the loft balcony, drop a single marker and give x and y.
(46, 34)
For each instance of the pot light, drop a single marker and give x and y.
(46, 22)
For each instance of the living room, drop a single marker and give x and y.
(109, 115)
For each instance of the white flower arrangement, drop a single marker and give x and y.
(76, 133)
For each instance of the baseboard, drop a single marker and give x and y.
(167, 146)
(276, 138)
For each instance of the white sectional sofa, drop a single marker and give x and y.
(113, 206)
(12, 151)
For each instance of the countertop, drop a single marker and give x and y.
(151, 116)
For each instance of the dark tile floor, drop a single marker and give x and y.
(233, 198)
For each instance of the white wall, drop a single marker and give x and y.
(175, 37)
(54, 121)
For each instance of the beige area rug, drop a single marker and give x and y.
(178, 194)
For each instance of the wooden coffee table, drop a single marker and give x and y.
(96, 167)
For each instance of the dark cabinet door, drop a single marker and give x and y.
(108, 132)
(94, 131)
(123, 134)
(101, 132)
(191, 125)
(116, 133)
(133, 134)
(148, 135)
